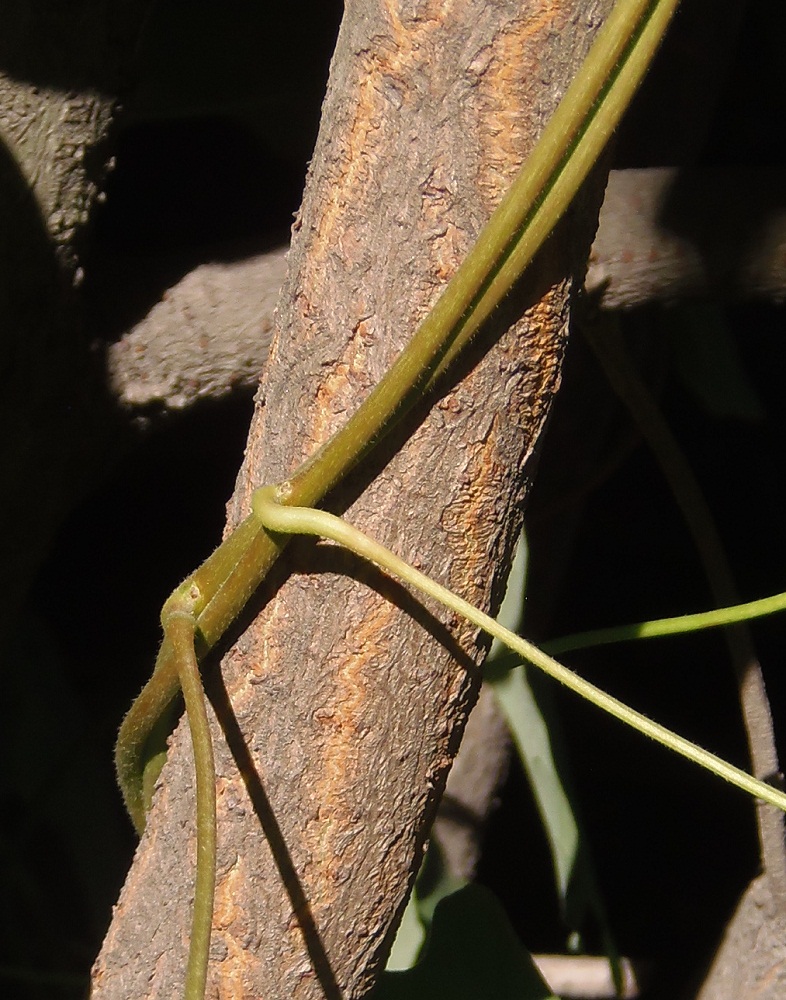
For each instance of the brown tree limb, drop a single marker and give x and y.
(662, 237)
(473, 787)
(209, 334)
(666, 235)
(342, 705)
(751, 957)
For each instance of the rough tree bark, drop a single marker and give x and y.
(342, 704)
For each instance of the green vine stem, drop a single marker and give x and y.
(218, 590)
(658, 627)
(271, 507)
(606, 340)
(180, 623)
(559, 163)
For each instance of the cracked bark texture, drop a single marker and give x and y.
(341, 706)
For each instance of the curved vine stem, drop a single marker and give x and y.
(609, 347)
(271, 507)
(179, 622)
(221, 586)
(559, 163)
(659, 627)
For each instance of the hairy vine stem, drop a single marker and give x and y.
(548, 180)
(607, 342)
(181, 625)
(218, 590)
(270, 506)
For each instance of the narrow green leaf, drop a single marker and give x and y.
(533, 743)
(535, 734)
(530, 732)
(410, 937)
(472, 953)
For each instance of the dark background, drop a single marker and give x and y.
(673, 847)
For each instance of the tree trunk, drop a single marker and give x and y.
(342, 705)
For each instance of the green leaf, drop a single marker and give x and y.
(530, 732)
(410, 938)
(533, 741)
(434, 883)
(523, 699)
(472, 953)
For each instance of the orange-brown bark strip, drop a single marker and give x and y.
(348, 698)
